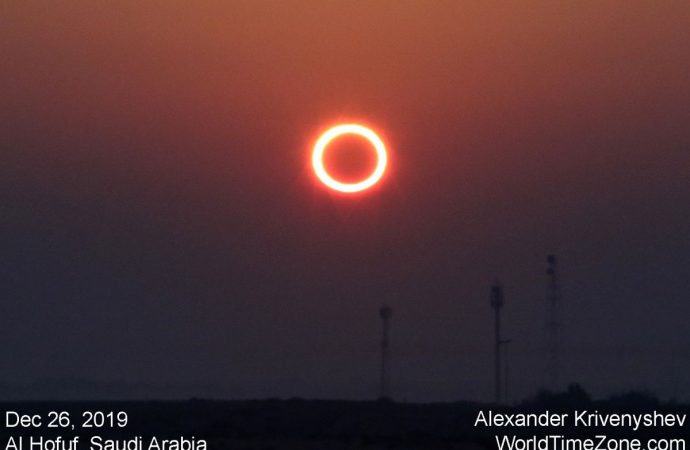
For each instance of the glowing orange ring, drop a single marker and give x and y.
(340, 130)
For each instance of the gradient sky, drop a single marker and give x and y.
(160, 223)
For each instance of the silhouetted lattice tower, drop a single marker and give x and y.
(385, 313)
(497, 303)
(553, 324)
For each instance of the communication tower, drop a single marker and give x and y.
(385, 313)
(497, 302)
(553, 323)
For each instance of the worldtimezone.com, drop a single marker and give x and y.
(599, 442)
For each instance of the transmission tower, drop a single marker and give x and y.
(497, 303)
(385, 313)
(553, 324)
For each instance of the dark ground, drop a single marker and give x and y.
(307, 424)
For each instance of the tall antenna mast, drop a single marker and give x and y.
(497, 304)
(506, 392)
(553, 324)
(385, 313)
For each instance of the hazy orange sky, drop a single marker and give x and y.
(431, 72)
(157, 152)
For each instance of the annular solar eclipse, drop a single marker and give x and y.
(336, 132)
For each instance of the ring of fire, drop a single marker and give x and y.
(334, 133)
